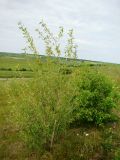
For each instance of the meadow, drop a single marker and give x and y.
(83, 141)
(14, 66)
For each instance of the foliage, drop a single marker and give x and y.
(95, 98)
(52, 42)
(42, 108)
(117, 154)
(42, 105)
(71, 48)
(65, 70)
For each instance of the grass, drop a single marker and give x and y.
(19, 65)
(83, 143)
(15, 65)
(13, 61)
(15, 74)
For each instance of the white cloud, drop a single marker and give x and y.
(96, 24)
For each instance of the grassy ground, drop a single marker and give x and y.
(20, 65)
(15, 65)
(83, 143)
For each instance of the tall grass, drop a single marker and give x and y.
(42, 107)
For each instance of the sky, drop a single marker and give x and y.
(96, 24)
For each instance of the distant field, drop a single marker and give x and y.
(15, 65)
(20, 65)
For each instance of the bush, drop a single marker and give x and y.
(94, 99)
(65, 70)
(117, 154)
(41, 108)
(22, 69)
(5, 69)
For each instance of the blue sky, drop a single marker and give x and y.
(96, 24)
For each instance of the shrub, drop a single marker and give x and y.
(9, 69)
(117, 154)
(22, 69)
(65, 70)
(42, 109)
(94, 99)
(5, 69)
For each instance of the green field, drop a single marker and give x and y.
(20, 65)
(15, 65)
(86, 142)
